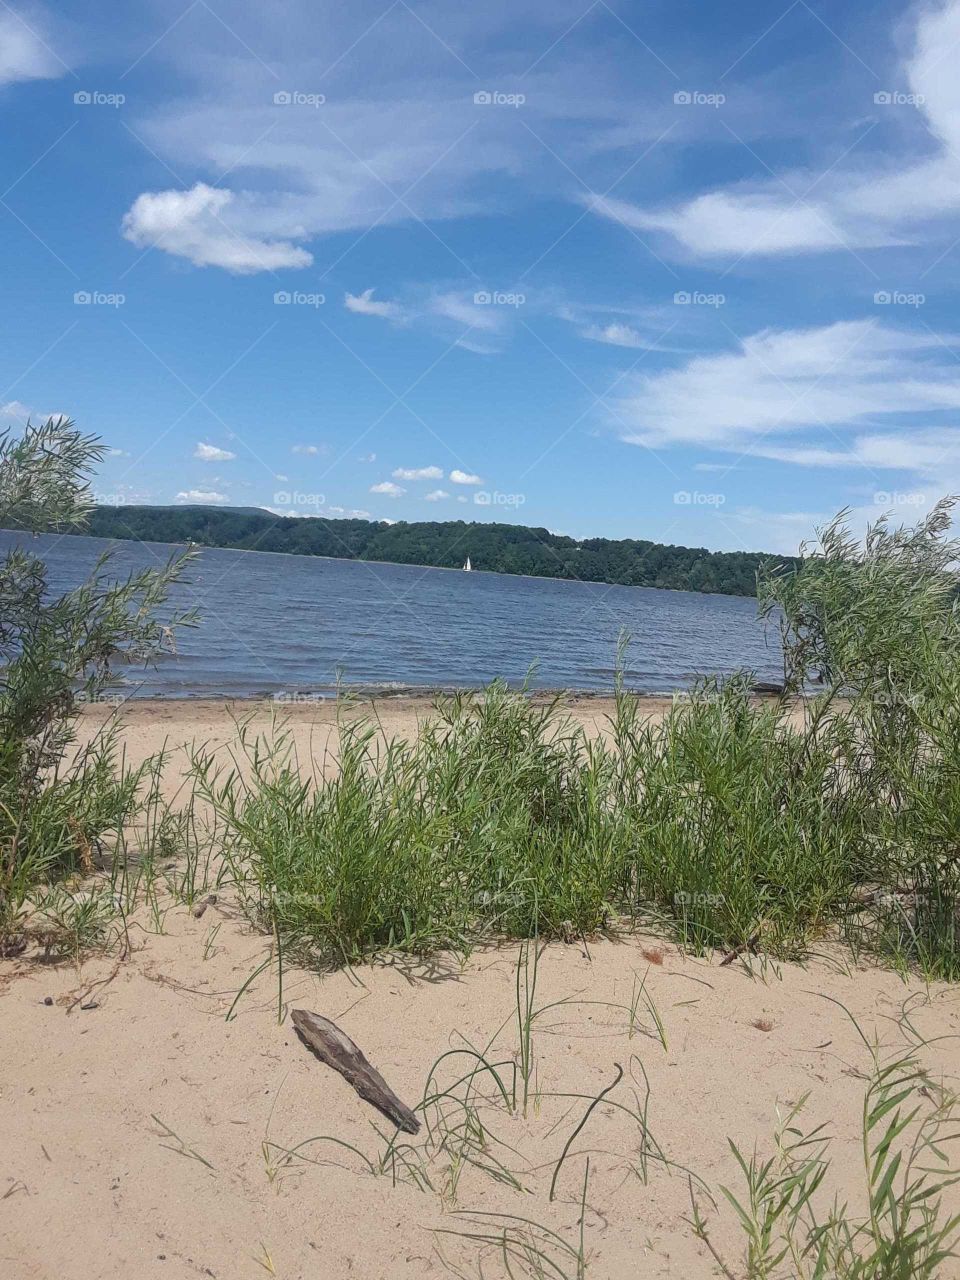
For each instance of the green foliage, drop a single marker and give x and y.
(54, 653)
(502, 548)
(909, 1127)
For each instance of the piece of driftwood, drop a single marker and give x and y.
(337, 1050)
(739, 949)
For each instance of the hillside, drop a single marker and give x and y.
(501, 548)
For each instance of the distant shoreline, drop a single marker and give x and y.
(494, 547)
(395, 564)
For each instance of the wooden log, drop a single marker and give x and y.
(337, 1050)
(750, 945)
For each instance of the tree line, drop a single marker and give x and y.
(500, 548)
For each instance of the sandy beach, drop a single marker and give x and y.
(147, 1112)
(175, 725)
(162, 1118)
(150, 725)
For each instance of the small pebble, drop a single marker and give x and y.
(48, 999)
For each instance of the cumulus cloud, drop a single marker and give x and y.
(464, 477)
(418, 473)
(436, 495)
(206, 497)
(17, 411)
(389, 488)
(210, 453)
(364, 304)
(200, 225)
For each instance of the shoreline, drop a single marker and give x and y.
(407, 564)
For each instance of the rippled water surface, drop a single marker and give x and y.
(275, 624)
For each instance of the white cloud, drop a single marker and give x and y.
(418, 473)
(364, 304)
(463, 310)
(194, 225)
(854, 203)
(436, 495)
(16, 410)
(340, 513)
(389, 488)
(617, 335)
(210, 453)
(775, 382)
(721, 223)
(464, 477)
(25, 54)
(367, 457)
(206, 497)
(310, 449)
(280, 476)
(925, 452)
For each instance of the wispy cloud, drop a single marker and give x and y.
(418, 473)
(25, 50)
(206, 497)
(311, 450)
(619, 335)
(839, 376)
(364, 304)
(436, 495)
(855, 203)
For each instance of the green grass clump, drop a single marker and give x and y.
(495, 820)
(899, 1231)
(722, 822)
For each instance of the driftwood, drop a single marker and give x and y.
(750, 945)
(337, 1050)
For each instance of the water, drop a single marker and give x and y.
(284, 625)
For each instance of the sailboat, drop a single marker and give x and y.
(467, 566)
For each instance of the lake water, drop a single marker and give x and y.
(285, 625)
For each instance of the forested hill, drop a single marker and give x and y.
(503, 548)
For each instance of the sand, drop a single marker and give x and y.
(137, 1093)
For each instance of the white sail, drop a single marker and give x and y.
(467, 566)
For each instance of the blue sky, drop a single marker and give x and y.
(669, 270)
